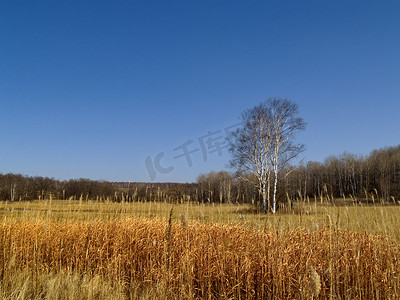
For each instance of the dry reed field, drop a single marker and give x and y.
(91, 250)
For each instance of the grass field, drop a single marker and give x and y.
(104, 250)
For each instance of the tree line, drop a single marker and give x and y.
(347, 175)
(16, 187)
(375, 175)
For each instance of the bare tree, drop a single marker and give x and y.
(215, 187)
(263, 145)
(250, 146)
(13, 190)
(284, 125)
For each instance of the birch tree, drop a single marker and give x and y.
(263, 145)
(284, 124)
(250, 146)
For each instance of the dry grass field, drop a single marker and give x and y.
(104, 250)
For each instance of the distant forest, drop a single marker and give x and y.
(347, 175)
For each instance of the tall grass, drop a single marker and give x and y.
(62, 285)
(310, 216)
(95, 250)
(202, 260)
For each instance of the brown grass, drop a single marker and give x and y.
(160, 259)
(374, 219)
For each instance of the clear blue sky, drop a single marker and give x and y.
(93, 88)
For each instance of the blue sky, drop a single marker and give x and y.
(94, 88)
